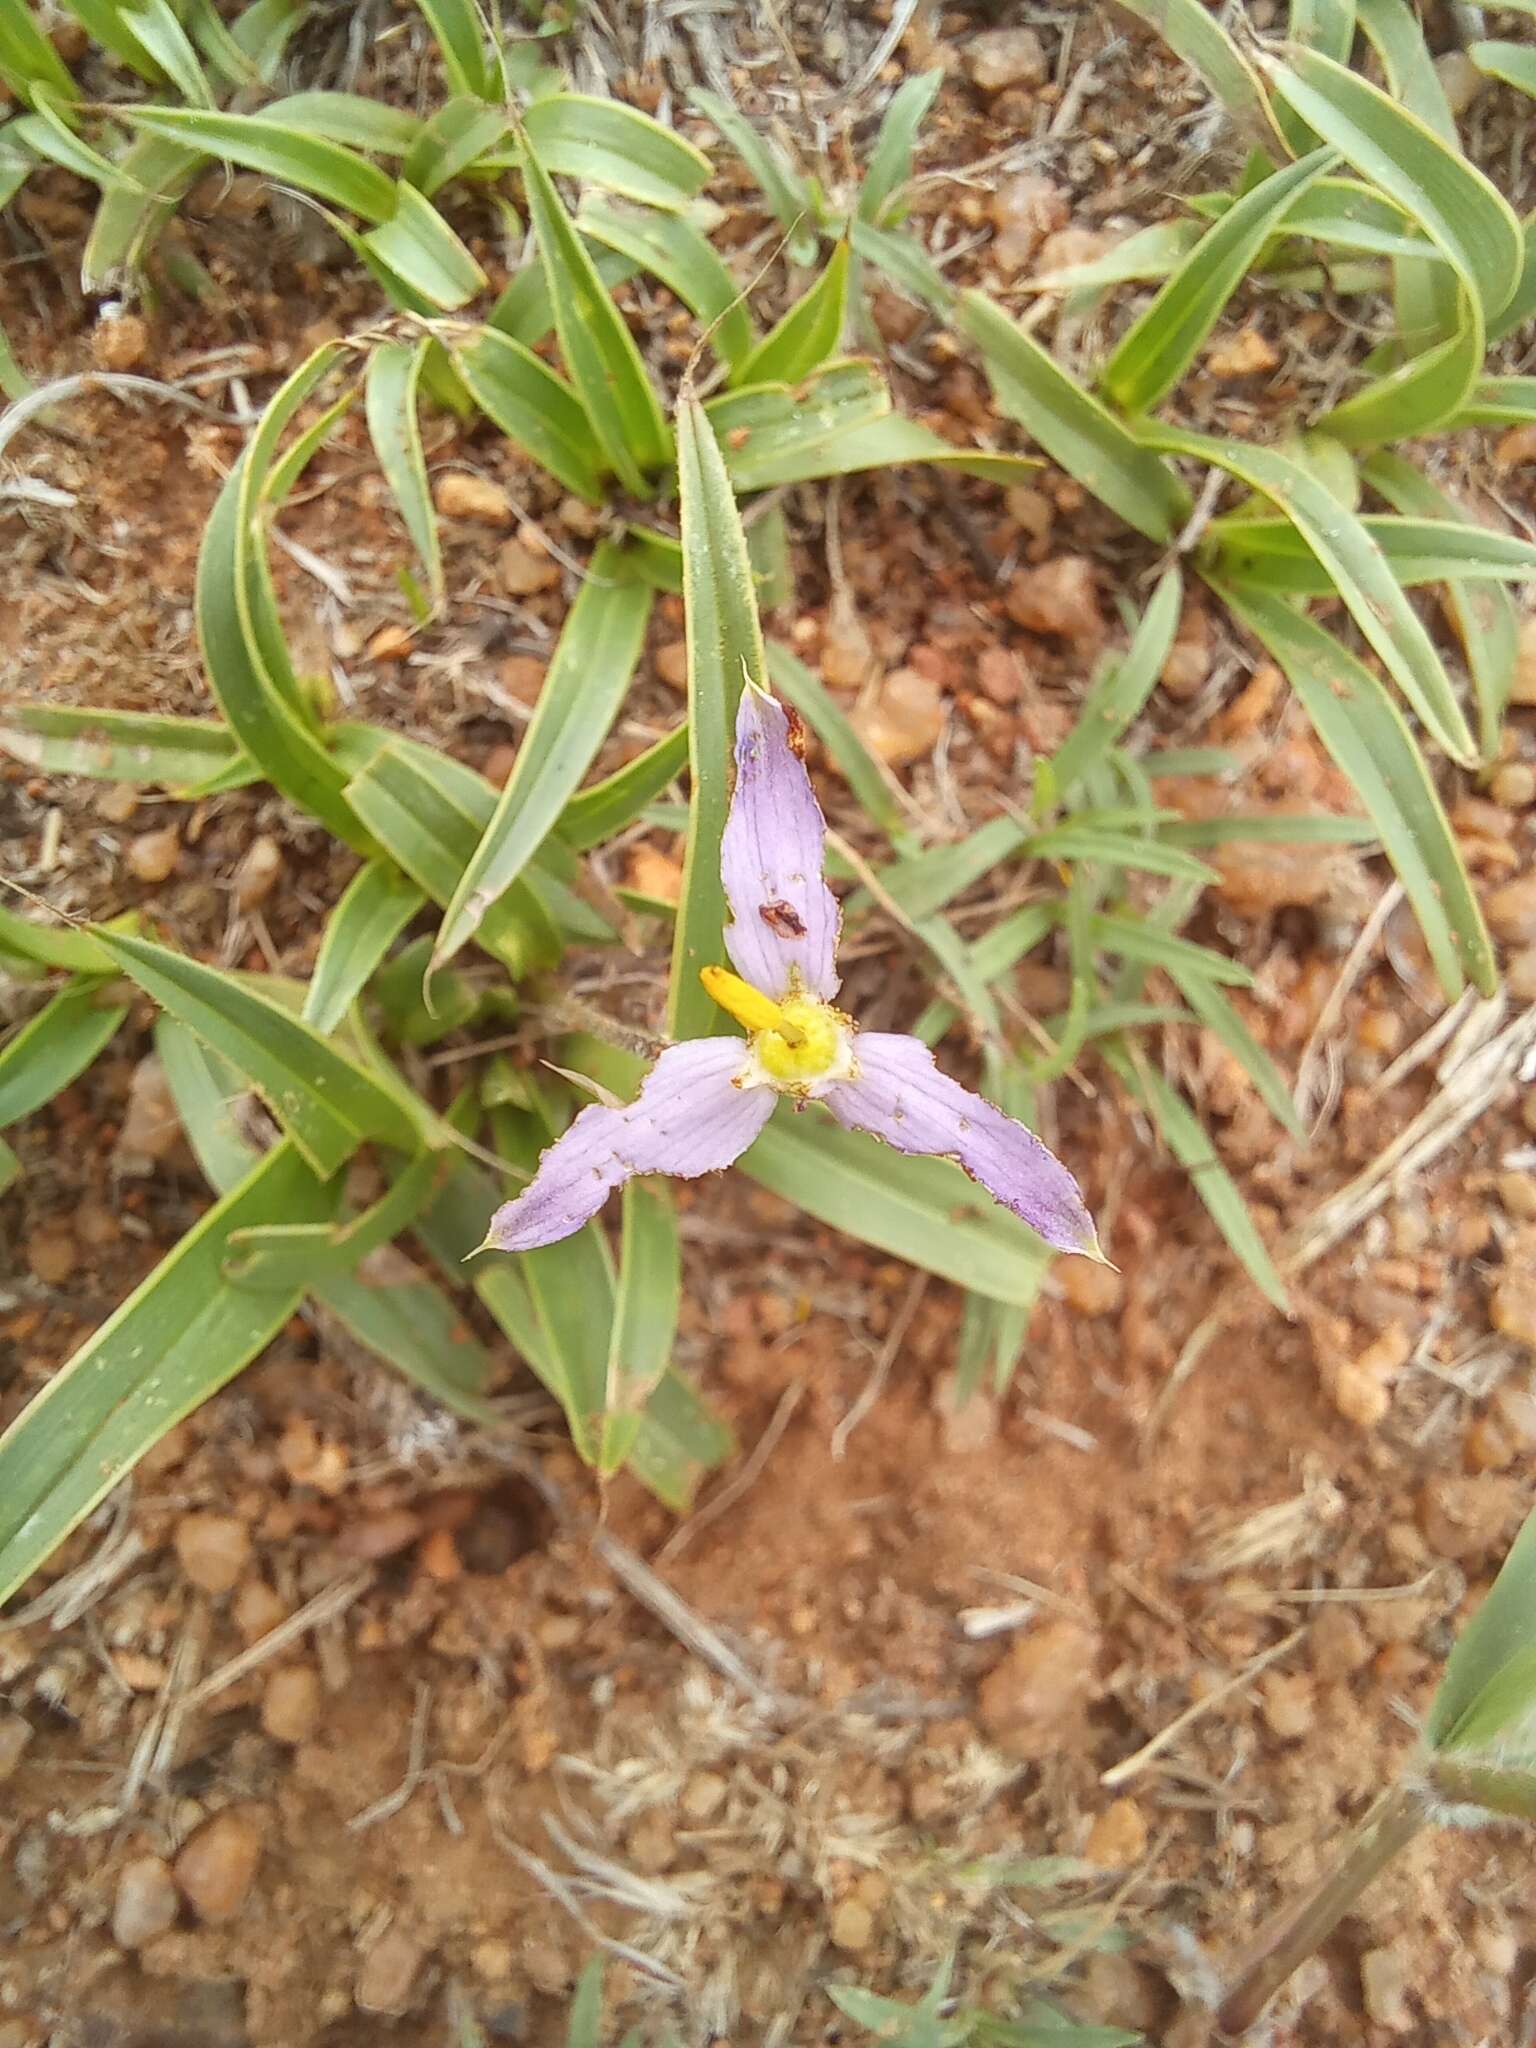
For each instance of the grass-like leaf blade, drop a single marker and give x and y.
(55, 1047)
(376, 906)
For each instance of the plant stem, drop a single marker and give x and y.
(1289, 1939)
(1486, 1785)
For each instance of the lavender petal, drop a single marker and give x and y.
(784, 915)
(689, 1118)
(900, 1095)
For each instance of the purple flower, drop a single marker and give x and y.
(704, 1101)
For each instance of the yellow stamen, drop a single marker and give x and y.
(748, 1005)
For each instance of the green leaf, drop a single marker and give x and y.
(789, 196)
(604, 362)
(584, 2027)
(1485, 620)
(1135, 939)
(118, 746)
(1366, 734)
(1222, 1020)
(1514, 63)
(1422, 394)
(327, 1103)
(154, 174)
(645, 1313)
(27, 58)
(1396, 32)
(890, 161)
(1360, 572)
(1428, 546)
(1499, 402)
(533, 407)
(1153, 252)
(429, 815)
(906, 263)
(10, 1166)
(392, 400)
(103, 22)
(414, 1326)
(348, 118)
(155, 26)
(46, 945)
(1121, 688)
(1160, 345)
(603, 142)
(1071, 425)
(458, 134)
(176, 1339)
(1187, 1140)
(305, 1254)
(672, 249)
(1080, 842)
(1395, 149)
(1476, 1701)
(376, 906)
(260, 144)
(418, 245)
(588, 680)
(615, 803)
(1198, 38)
(803, 688)
(809, 333)
(48, 135)
(770, 434)
(725, 649)
(1283, 828)
(54, 1047)
(460, 33)
(524, 311)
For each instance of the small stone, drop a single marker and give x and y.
(1000, 57)
(1517, 1193)
(1469, 1516)
(1384, 1989)
(492, 1961)
(1247, 354)
(1516, 447)
(1362, 1385)
(151, 1123)
(703, 1796)
(389, 1972)
(258, 873)
(141, 1673)
(152, 857)
(146, 1902)
(1520, 974)
(1460, 80)
(257, 1609)
(1034, 1703)
(1514, 785)
(1000, 675)
(15, 1734)
(213, 1550)
(380, 1535)
(1025, 209)
(1059, 598)
(458, 495)
(902, 723)
(499, 763)
(1523, 689)
(217, 1868)
(523, 573)
(290, 1706)
(117, 802)
(391, 643)
(1511, 910)
(52, 1254)
(120, 342)
(672, 664)
(1091, 1288)
(522, 676)
(1257, 880)
(1512, 1310)
(1287, 1704)
(1118, 1837)
(651, 1843)
(1070, 248)
(651, 872)
(1337, 1643)
(853, 1926)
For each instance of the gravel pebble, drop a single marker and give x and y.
(1060, 598)
(217, 1867)
(459, 495)
(259, 872)
(1118, 1837)
(903, 721)
(1000, 57)
(213, 1550)
(853, 1926)
(389, 1972)
(52, 1253)
(290, 1706)
(151, 1122)
(523, 572)
(146, 1901)
(15, 1734)
(152, 857)
(1033, 1703)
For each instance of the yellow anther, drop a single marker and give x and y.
(748, 1005)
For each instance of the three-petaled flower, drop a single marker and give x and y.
(704, 1101)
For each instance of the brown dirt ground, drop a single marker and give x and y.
(507, 1758)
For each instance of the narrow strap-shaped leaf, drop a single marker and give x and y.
(524, 311)
(348, 118)
(1199, 39)
(1135, 939)
(1162, 342)
(534, 407)
(468, 59)
(890, 161)
(10, 1166)
(587, 682)
(392, 399)
(605, 365)
(1071, 425)
(725, 649)
(376, 906)
(264, 29)
(671, 248)
(1360, 571)
(54, 1047)
(1425, 546)
(1486, 621)
(1397, 34)
(1367, 735)
(417, 244)
(768, 431)
(1422, 394)
(417, 1328)
(809, 333)
(1223, 1022)
(155, 172)
(450, 142)
(46, 945)
(304, 1254)
(1121, 689)
(178, 1337)
(645, 1312)
(789, 196)
(117, 746)
(156, 26)
(27, 58)
(259, 144)
(1497, 1638)
(50, 136)
(603, 142)
(328, 1104)
(610, 806)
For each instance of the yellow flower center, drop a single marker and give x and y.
(796, 1042)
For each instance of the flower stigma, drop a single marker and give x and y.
(799, 1045)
